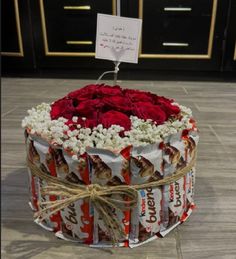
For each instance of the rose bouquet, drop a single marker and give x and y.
(113, 137)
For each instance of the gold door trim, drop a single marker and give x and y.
(235, 52)
(80, 7)
(19, 35)
(184, 56)
(82, 42)
(63, 54)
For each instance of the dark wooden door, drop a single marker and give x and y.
(179, 34)
(17, 43)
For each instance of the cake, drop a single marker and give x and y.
(111, 136)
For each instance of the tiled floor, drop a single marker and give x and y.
(211, 230)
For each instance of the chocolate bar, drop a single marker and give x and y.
(146, 166)
(33, 157)
(110, 169)
(174, 195)
(77, 220)
(41, 153)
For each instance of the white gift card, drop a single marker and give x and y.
(118, 38)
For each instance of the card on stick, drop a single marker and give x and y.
(118, 38)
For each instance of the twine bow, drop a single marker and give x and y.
(105, 199)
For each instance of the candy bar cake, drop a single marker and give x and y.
(111, 166)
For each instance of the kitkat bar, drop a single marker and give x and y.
(146, 166)
(109, 169)
(77, 219)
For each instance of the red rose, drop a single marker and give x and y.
(170, 110)
(110, 105)
(167, 106)
(88, 108)
(115, 118)
(118, 103)
(87, 123)
(87, 92)
(104, 90)
(149, 111)
(162, 99)
(138, 96)
(91, 123)
(62, 108)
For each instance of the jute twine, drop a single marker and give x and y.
(101, 197)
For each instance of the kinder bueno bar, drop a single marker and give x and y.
(50, 162)
(174, 153)
(174, 194)
(146, 217)
(33, 156)
(190, 141)
(77, 220)
(190, 182)
(177, 201)
(146, 166)
(108, 168)
(174, 197)
(42, 149)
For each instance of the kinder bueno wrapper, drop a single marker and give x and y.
(42, 149)
(177, 201)
(190, 182)
(174, 197)
(108, 168)
(39, 154)
(33, 187)
(146, 217)
(178, 150)
(146, 166)
(190, 141)
(77, 219)
(174, 153)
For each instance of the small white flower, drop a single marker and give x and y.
(74, 157)
(75, 119)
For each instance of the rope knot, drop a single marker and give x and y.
(93, 190)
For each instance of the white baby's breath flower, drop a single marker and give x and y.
(142, 132)
(75, 119)
(74, 157)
